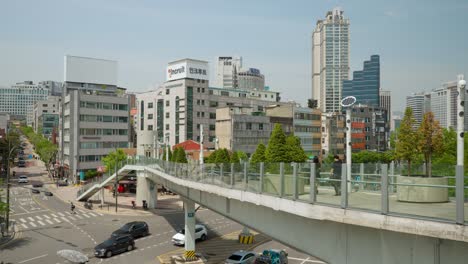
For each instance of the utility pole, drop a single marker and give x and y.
(201, 144)
(167, 147)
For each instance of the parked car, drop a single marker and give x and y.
(135, 229)
(21, 165)
(35, 191)
(62, 183)
(241, 257)
(272, 256)
(200, 234)
(114, 245)
(48, 194)
(23, 179)
(37, 184)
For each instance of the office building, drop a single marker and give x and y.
(4, 124)
(19, 99)
(330, 60)
(251, 79)
(370, 128)
(305, 123)
(365, 85)
(95, 114)
(226, 71)
(241, 128)
(176, 110)
(386, 103)
(55, 88)
(333, 134)
(443, 103)
(51, 108)
(416, 102)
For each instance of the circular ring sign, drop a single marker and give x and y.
(348, 101)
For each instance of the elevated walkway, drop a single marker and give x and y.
(90, 189)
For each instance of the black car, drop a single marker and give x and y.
(48, 194)
(37, 184)
(135, 229)
(35, 191)
(114, 245)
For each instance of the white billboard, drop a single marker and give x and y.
(90, 70)
(187, 69)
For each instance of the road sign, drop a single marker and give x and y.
(190, 214)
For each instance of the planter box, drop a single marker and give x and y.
(417, 194)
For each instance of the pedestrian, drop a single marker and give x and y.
(336, 175)
(72, 207)
(317, 172)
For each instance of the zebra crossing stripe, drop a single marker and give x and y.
(71, 217)
(56, 220)
(92, 214)
(54, 215)
(38, 217)
(40, 222)
(64, 219)
(30, 218)
(22, 220)
(25, 226)
(50, 222)
(85, 215)
(46, 216)
(61, 214)
(78, 216)
(34, 225)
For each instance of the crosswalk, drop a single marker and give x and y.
(42, 220)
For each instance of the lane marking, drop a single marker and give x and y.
(58, 221)
(24, 261)
(60, 214)
(305, 260)
(50, 222)
(34, 225)
(40, 222)
(71, 217)
(30, 212)
(38, 217)
(92, 214)
(78, 216)
(65, 219)
(46, 216)
(87, 216)
(31, 219)
(54, 215)
(313, 261)
(25, 226)
(22, 220)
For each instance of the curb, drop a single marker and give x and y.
(15, 235)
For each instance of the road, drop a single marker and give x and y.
(46, 226)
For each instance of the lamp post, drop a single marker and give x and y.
(459, 177)
(201, 145)
(167, 147)
(347, 102)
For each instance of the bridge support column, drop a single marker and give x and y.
(146, 190)
(189, 208)
(245, 237)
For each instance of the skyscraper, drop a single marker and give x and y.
(386, 103)
(416, 103)
(330, 60)
(365, 85)
(226, 72)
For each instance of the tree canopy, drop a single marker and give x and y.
(430, 140)
(259, 154)
(115, 156)
(276, 150)
(407, 138)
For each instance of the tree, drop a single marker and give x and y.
(430, 140)
(164, 153)
(180, 156)
(115, 156)
(222, 156)
(407, 138)
(259, 154)
(235, 157)
(175, 155)
(295, 152)
(276, 150)
(242, 156)
(212, 157)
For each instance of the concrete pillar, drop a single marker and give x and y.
(189, 212)
(146, 190)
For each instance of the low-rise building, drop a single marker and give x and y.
(51, 106)
(242, 128)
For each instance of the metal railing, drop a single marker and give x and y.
(379, 188)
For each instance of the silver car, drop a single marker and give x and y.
(241, 257)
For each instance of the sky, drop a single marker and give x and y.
(421, 43)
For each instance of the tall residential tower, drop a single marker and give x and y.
(330, 60)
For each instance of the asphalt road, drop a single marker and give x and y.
(46, 226)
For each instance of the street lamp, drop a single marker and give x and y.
(459, 177)
(347, 102)
(167, 146)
